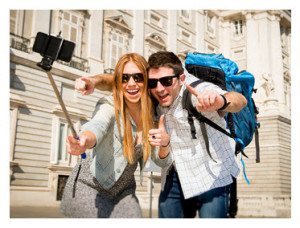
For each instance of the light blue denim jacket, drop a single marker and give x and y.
(108, 161)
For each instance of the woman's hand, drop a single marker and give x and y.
(75, 146)
(87, 140)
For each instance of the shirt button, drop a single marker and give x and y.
(118, 170)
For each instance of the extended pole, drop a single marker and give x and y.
(62, 105)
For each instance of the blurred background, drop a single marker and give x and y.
(259, 41)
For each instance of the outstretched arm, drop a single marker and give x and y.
(237, 102)
(87, 85)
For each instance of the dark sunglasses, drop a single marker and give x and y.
(137, 77)
(165, 81)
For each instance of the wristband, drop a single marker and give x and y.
(167, 144)
(225, 103)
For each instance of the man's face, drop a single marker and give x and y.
(165, 95)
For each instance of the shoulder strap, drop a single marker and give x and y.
(187, 104)
(192, 111)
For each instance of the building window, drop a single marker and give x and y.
(211, 25)
(70, 29)
(61, 184)
(60, 132)
(186, 16)
(63, 156)
(117, 46)
(238, 28)
(185, 13)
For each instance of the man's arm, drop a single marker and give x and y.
(237, 102)
(88, 84)
(103, 82)
(210, 100)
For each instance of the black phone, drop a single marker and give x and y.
(53, 47)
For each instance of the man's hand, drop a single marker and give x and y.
(85, 85)
(208, 100)
(159, 137)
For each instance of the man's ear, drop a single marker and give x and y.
(181, 79)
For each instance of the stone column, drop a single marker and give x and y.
(225, 37)
(138, 32)
(172, 30)
(200, 26)
(95, 42)
(276, 66)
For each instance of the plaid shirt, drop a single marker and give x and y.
(197, 172)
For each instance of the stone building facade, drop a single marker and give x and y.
(259, 41)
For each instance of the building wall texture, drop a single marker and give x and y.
(259, 41)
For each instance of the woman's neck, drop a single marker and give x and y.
(134, 110)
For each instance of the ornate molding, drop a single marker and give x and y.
(118, 21)
(156, 40)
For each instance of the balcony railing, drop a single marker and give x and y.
(19, 43)
(109, 71)
(77, 63)
(23, 44)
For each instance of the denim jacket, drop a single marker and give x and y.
(108, 161)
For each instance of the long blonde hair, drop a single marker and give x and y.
(121, 109)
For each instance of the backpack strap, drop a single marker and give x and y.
(192, 111)
(187, 104)
(256, 132)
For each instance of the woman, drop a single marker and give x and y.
(118, 133)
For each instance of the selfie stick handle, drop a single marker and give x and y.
(63, 108)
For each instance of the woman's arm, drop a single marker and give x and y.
(93, 131)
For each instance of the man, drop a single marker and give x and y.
(191, 180)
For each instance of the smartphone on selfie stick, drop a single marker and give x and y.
(54, 48)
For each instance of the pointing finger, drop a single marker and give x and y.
(192, 90)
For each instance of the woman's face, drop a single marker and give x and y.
(132, 83)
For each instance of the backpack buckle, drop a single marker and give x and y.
(213, 73)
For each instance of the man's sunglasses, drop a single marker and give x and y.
(165, 81)
(137, 77)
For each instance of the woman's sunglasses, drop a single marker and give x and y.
(165, 81)
(137, 77)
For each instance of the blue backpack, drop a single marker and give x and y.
(223, 72)
(243, 125)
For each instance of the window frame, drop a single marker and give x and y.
(118, 45)
(239, 30)
(71, 25)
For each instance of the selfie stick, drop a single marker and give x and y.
(46, 65)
